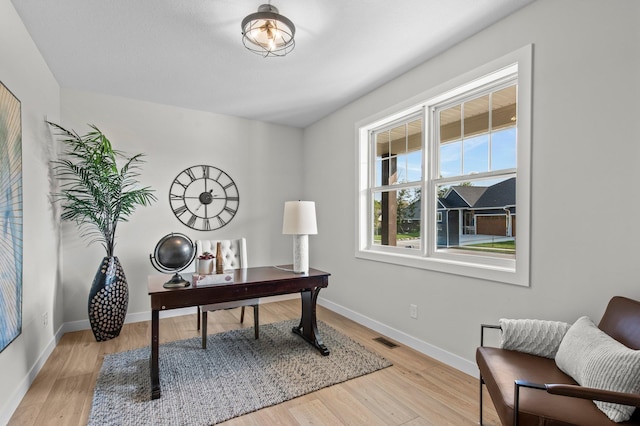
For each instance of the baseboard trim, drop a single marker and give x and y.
(423, 347)
(19, 393)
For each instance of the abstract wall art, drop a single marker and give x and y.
(10, 217)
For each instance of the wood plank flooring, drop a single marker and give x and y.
(416, 390)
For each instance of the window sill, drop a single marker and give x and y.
(507, 275)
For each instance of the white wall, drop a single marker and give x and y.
(263, 159)
(584, 183)
(585, 155)
(24, 72)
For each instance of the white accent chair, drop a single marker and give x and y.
(234, 256)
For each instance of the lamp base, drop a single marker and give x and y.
(301, 254)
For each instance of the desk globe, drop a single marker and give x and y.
(173, 253)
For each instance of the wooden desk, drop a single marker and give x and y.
(248, 283)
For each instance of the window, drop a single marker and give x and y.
(444, 180)
(396, 193)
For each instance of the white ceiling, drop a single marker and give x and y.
(189, 53)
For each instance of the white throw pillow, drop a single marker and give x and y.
(596, 360)
(532, 336)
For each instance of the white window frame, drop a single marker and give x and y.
(511, 271)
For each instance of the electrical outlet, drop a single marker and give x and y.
(45, 319)
(413, 311)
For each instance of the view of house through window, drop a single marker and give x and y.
(443, 180)
(478, 216)
(477, 148)
(475, 184)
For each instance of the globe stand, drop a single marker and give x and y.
(176, 282)
(173, 253)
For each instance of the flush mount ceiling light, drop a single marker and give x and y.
(267, 33)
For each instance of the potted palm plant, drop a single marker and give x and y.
(97, 190)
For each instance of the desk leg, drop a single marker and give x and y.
(153, 361)
(308, 328)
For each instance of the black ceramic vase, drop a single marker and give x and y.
(108, 300)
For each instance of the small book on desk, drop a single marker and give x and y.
(212, 279)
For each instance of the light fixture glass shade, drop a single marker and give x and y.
(268, 33)
(299, 218)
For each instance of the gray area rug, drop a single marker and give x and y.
(235, 375)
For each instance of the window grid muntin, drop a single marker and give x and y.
(460, 99)
(409, 117)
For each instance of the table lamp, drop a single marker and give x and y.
(300, 221)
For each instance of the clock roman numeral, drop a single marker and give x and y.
(205, 172)
(180, 210)
(175, 196)
(229, 185)
(230, 210)
(191, 221)
(232, 198)
(207, 225)
(180, 183)
(221, 221)
(191, 175)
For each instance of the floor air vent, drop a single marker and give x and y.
(385, 342)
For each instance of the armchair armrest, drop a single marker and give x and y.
(483, 326)
(577, 391)
(574, 391)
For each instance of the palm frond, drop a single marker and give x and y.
(94, 192)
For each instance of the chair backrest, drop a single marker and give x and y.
(621, 321)
(234, 252)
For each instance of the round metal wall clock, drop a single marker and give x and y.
(204, 197)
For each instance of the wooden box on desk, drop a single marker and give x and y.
(212, 279)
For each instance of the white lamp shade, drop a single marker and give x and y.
(299, 218)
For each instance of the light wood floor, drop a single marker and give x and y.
(416, 390)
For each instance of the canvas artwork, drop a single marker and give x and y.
(10, 217)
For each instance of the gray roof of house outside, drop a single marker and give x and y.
(499, 195)
(471, 194)
(496, 196)
(482, 197)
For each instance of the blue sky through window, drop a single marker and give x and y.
(450, 159)
(411, 170)
(503, 149)
(476, 154)
(471, 156)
